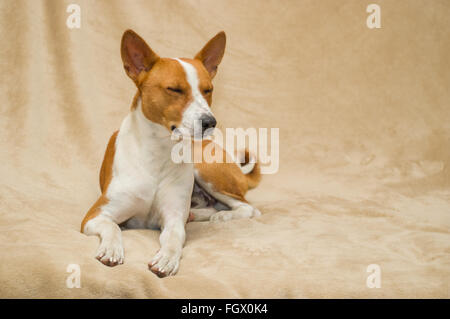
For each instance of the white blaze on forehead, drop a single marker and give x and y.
(192, 79)
(198, 106)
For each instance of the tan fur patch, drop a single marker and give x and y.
(159, 104)
(94, 210)
(106, 169)
(105, 179)
(226, 178)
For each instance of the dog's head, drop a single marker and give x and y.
(175, 93)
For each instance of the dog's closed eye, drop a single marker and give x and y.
(174, 89)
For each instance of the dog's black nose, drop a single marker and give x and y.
(208, 121)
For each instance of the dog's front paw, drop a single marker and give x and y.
(110, 253)
(165, 263)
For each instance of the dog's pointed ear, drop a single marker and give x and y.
(212, 53)
(136, 55)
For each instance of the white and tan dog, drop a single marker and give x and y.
(141, 186)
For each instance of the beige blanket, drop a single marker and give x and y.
(364, 119)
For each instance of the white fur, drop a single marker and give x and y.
(110, 249)
(148, 189)
(198, 106)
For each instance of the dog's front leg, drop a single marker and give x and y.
(171, 204)
(102, 220)
(167, 260)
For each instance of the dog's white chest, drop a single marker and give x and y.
(145, 179)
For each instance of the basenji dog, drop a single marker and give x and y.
(141, 186)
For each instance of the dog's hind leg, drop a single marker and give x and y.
(239, 209)
(201, 214)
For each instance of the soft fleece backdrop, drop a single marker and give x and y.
(364, 118)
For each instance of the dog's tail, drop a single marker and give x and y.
(249, 167)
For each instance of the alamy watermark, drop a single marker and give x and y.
(74, 279)
(234, 142)
(374, 19)
(374, 279)
(74, 19)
